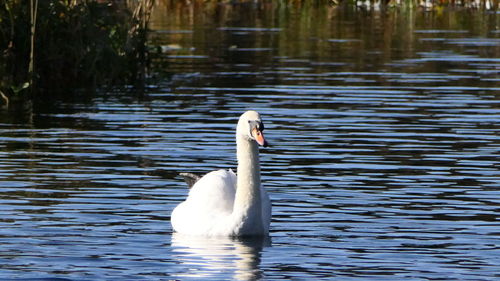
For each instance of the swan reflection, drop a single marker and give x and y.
(212, 256)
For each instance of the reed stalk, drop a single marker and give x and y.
(33, 14)
(5, 99)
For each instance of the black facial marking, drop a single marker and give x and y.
(256, 124)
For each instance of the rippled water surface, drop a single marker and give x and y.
(383, 162)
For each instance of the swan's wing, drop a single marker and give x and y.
(215, 191)
(210, 198)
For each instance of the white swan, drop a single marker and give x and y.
(223, 204)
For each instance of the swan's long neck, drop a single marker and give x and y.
(247, 203)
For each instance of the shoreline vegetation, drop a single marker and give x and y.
(51, 47)
(54, 48)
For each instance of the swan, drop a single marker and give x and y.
(222, 203)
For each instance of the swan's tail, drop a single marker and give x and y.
(190, 178)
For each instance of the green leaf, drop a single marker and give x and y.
(18, 89)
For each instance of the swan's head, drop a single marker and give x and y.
(250, 126)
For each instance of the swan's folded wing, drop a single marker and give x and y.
(212, 195)
(210, 199)
(214, 192)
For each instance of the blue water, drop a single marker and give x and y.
(380, 168)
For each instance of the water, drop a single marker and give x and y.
(383, 162)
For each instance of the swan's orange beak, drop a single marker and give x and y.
(259, 137)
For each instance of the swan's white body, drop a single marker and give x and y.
(222, 203)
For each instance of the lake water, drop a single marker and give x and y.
(383, 165)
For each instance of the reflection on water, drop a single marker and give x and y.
(384, 164)
(207, 257)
